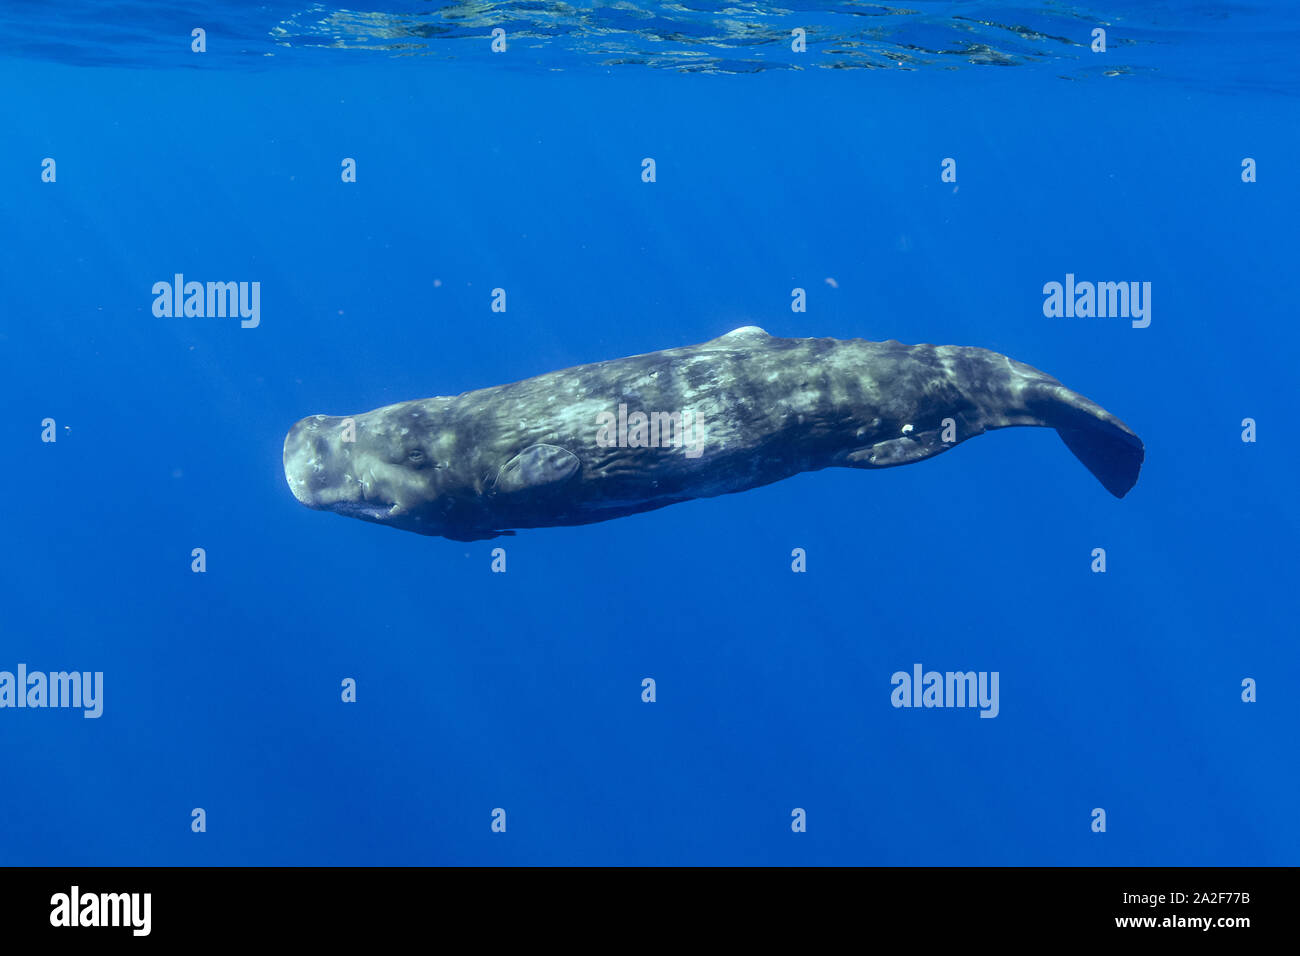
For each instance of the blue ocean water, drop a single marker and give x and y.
(522, 691)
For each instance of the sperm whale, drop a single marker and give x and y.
(629, 435)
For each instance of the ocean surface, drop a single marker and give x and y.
(1161, 691)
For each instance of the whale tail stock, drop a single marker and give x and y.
(1009, 393)
(1107, 447)
(979, 391)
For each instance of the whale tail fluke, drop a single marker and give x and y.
(1114, 460)
(1107, 447)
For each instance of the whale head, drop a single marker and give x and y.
(327, 470)
(385, 466)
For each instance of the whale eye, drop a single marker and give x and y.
(415, 456)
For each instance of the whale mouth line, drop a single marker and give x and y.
(360, 509)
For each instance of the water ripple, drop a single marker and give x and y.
(1234, 45)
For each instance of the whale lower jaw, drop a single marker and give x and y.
(361, 509)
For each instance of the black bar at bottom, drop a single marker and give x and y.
(338, 905)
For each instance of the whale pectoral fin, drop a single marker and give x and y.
(536, 467)
(898, 451)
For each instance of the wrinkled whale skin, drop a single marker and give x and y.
(531, 454)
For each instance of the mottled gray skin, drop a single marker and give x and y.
(470, 467)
